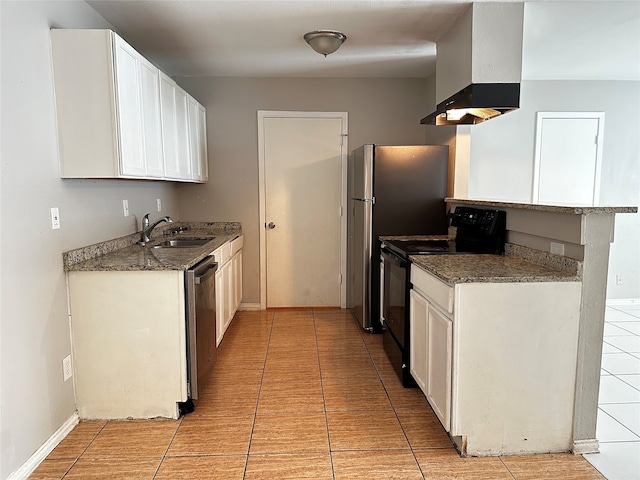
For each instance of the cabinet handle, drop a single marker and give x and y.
(271, 226)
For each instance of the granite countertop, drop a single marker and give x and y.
(577, 210)
(124, 254)
(484, 268)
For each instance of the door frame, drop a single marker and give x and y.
(540, 117)
(262, 116)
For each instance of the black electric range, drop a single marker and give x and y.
(477, 231)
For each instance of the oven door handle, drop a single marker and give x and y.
(394, 259)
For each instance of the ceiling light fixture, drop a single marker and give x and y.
(325, 41)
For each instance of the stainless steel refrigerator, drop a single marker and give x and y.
(392, 190)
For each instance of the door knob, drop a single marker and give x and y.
(271, 226)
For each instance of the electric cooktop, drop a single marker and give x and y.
(478, 231)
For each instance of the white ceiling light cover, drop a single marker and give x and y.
(325, 41)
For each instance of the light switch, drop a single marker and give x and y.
(55, 218)
(125, 208)
(159, 205)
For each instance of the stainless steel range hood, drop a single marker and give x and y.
(475, 104)
(479, 65)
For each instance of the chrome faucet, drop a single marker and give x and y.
(147, 229)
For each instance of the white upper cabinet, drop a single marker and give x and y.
(203, 162)
(151, 119)
(118, 115)
(175, 131)
(182, 126)
(197, 140)
(129, 109)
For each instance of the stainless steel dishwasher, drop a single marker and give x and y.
(200, 288)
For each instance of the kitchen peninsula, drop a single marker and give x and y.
(129, 310)
(571, 233)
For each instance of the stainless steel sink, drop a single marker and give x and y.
(183, 243)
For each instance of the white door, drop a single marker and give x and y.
(303, 161)
(567, 159)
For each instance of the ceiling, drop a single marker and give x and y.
(385, 38)
(263, 38)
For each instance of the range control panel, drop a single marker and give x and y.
(479, 220)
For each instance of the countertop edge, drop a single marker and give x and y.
(576, 210)
(471, 268)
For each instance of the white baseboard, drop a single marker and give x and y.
(586, 446)
(47, 447)
(620, 302)
(249, 306)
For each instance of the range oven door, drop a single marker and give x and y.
(394, 302)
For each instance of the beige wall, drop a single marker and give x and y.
(384, 111)
(35, 334)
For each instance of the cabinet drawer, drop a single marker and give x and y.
(222, 254)
(435, 290)
(236, 245)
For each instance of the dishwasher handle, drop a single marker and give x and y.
(204, 271)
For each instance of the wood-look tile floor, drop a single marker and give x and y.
(299, 393)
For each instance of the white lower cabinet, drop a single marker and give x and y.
(497, 361)
(129, 343)
(418, 322)
(237, 276)
(129, 336)
(439, 353)
(228, 284)
(430, 350)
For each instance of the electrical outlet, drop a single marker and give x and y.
(619, 280)
(67, 371)
(557, 248)
(125, 208)
(159, 205)
(55, 218)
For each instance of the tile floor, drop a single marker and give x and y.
(295, 394)
(618, 429)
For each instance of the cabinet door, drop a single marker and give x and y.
(237, 273)
(229, 299)
(197, 140)
(439, 354)
(169, 126)
(182, 134)
(418, 319)
(220, 306)
(151, 127)
(129, 109)
(203, 160)
(192, 121)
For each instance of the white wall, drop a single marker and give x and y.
(503, 148)
(35, 334)
(560, 73)
(380, 111)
